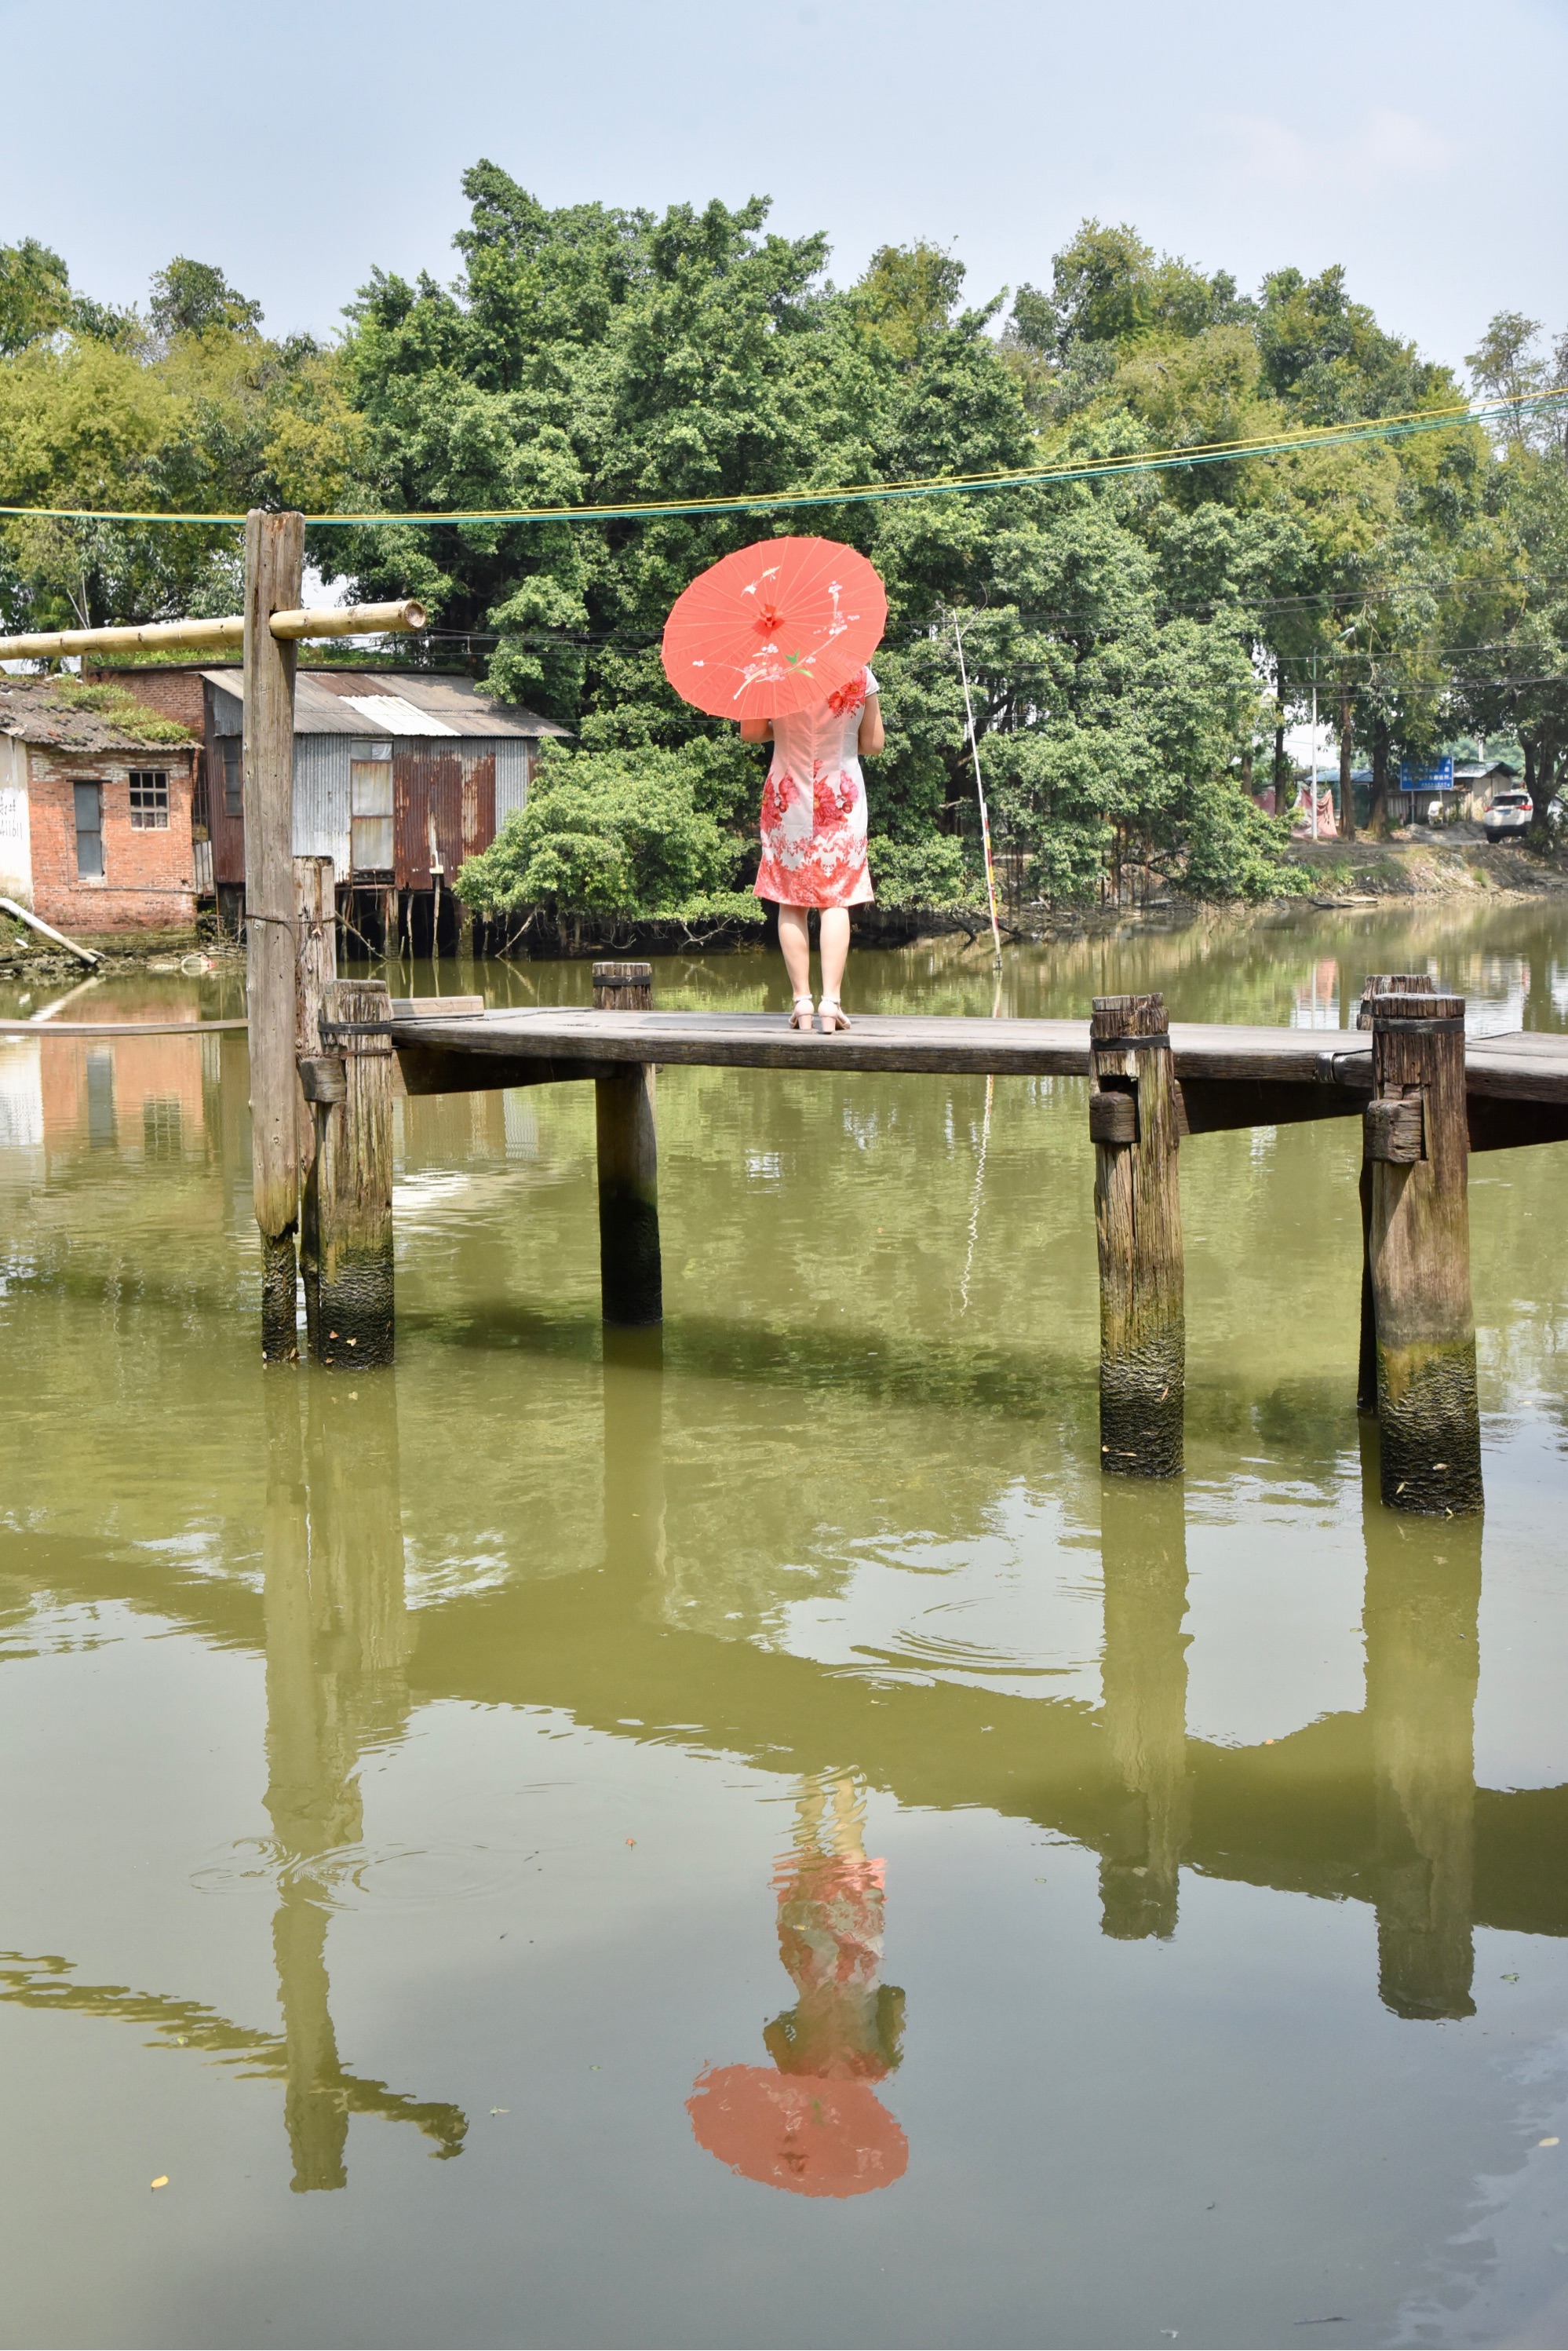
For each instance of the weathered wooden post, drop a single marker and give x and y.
(1135, 1121)
(274, 555)
(1376, 983)
(350, 1084)
(1417, 1140)
(315, 969)
(631, 1275)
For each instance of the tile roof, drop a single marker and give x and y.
(31, 708)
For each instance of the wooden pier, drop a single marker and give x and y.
(1426, 1096)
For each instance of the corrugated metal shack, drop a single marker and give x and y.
(398, 777)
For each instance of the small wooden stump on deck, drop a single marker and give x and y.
(631, 1274)
(350, 1084)
(1417, 1143)
(1134, 1120)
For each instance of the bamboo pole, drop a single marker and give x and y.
(219, 636)
(274, 555)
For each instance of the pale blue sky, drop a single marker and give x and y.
(297, 145)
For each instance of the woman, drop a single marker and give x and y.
(813, 834)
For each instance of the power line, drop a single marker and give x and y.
(1214, 453)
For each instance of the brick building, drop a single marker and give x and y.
(95, 819)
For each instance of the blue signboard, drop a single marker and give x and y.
(1426, 775)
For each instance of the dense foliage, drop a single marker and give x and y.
(1135, 645)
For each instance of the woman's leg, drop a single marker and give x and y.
(795, 943)
(835, 948)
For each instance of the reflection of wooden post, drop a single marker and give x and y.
(1386, 983)
(315, 969)
(635, 1453)
(630, 1268)
(273, 553)
(337, 1651)
(1423, 1597)
(1144, 1681)
(351, 1180)
(1135, 1111)
(1418, 1142)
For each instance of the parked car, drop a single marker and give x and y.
(1509, 817)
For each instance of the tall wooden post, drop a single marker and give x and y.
(1376, 983)
(631, 1273)
(274, 555)
(315, 969)
(351, 1180)
(1417, 1140)
(1134, 1120)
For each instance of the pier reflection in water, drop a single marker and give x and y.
(510, 1682)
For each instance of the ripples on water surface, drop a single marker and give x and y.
(540, 1848)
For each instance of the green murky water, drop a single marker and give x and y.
(764, 1849)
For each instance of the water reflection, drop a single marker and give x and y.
(338, 1645)
(816, 2126)
(1144, 1679)
(1423, 1605)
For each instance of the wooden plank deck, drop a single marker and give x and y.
(1520, 1067)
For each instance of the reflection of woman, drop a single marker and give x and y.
(814, 833)
(845, 2026)
(815, 2125)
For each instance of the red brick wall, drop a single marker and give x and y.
(148, 877)
(172, 693)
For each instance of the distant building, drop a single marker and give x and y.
(95, 827)
(399, 775)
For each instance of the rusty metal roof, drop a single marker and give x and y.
(343, 702)
(33, 709)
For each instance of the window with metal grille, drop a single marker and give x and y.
(149, 800)
(234, 775)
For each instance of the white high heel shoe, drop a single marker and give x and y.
(832, 1016)
(801, 1016)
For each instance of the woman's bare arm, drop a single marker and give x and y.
(871, 738)
(756, 730)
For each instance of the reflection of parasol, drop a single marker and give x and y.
(814, 2137)
(774, 628)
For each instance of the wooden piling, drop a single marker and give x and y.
(1418, 1141)
(630, 1270)
(315, 969)
(1134, 1114)
(350, 1085)
(274, 552)
(1376, 983)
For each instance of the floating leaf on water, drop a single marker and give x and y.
(161, 2180)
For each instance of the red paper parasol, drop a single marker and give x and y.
(774, 628)
(815, 2137)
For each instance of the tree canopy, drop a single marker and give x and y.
(1136, 644)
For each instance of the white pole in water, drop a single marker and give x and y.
(980, 796)
(1314, 746)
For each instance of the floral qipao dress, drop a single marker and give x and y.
(813, 805)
